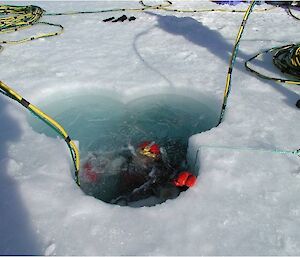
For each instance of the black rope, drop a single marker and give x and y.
(286, 59)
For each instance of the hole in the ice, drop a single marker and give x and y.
(116, 167)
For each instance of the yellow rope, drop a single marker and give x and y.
(146, 7)
(232, 59)
(13, 94)
(17, 18)
(214, 10)
(22, 17)
(294, 59)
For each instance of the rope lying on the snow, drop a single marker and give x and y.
(275, 151)
(238, 148)
(14, 19)
(146, 7)
(165, 8)
(6, 90)
(291, 13)
(286, 58)
(232, 59)
(227, 91)
(22, 17)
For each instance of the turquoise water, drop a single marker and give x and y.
(102, 124)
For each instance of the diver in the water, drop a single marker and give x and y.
(143, 172)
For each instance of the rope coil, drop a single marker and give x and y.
(286, 58)
(16, 18)
(23, 16)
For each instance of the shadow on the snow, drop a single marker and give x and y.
(197, 33)
(17, 236)
(266, 67)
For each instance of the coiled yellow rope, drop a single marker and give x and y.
(286, 58)
(22, 17)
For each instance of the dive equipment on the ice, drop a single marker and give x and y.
(120, 19)
(109, 19)
(132, 18)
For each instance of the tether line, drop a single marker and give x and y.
(227, 92)
(233, 58)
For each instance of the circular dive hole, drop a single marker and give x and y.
(132, 153)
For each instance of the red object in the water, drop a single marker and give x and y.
(153, 148)
(185, 178)
(191, 181)
(89, 173)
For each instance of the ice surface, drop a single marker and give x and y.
(244, 203)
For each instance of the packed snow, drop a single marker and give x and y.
(244, 202)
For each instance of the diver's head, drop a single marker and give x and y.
(150, 150)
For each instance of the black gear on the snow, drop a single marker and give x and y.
(122, 18)
(109, 19)
(298, 104)
(132, 18)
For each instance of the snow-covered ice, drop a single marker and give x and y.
(244, 203)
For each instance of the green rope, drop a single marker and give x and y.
(237, 148)
(274, 151)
